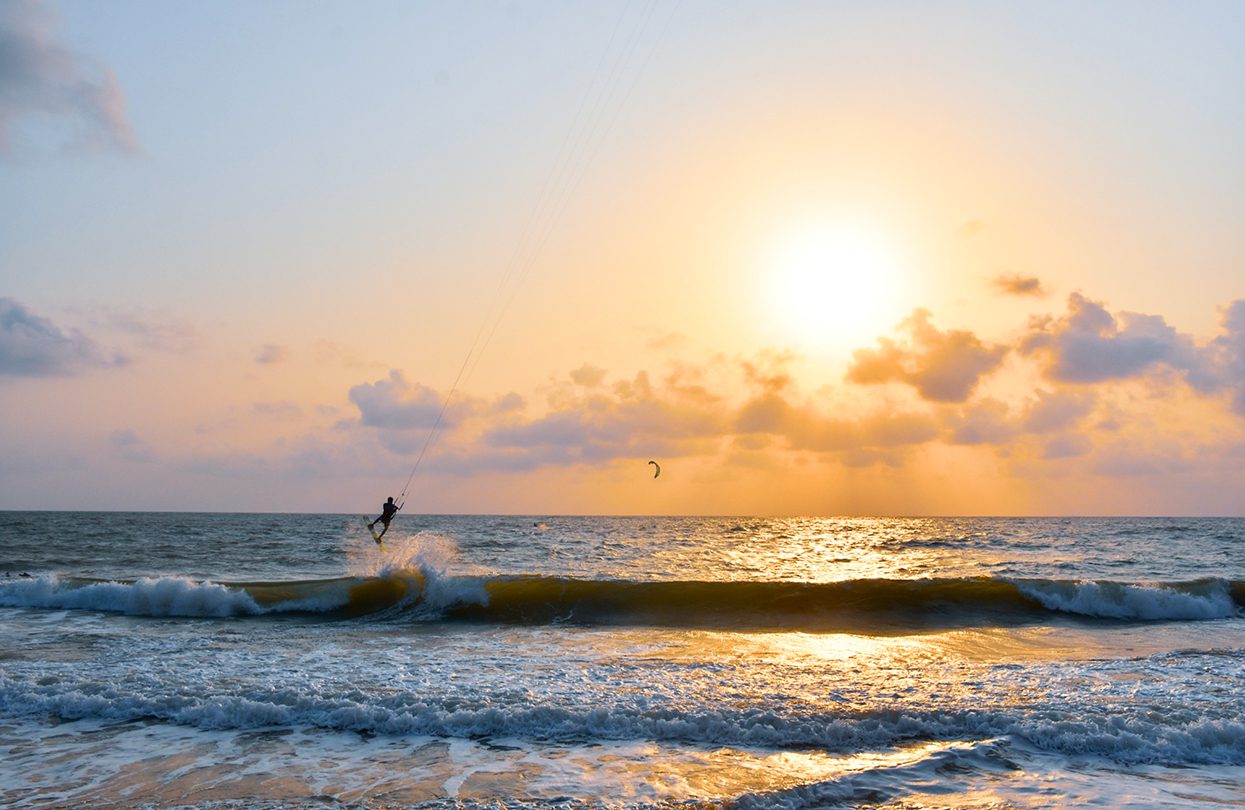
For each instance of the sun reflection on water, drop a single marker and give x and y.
(832, 549)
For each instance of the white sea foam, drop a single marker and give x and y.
(442, 591)
(1123, 734)
(1209, 599)
(401, 552)
(431, 555)
(149, 596)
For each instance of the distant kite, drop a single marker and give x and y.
(656, 468)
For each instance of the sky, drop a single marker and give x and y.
(840, 258)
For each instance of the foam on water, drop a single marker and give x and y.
(1118, 712)
(401, 552)
(149, 596)
(1202, 599)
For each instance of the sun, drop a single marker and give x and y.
(834, 283)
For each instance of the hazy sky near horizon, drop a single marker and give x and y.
(832, 258)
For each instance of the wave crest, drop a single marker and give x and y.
(852, 604)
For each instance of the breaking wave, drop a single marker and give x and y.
(427, 594)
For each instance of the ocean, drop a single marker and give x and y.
(284, 661)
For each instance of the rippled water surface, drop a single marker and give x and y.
(286, 661)
(798, 549)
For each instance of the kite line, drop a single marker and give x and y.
(594, 119)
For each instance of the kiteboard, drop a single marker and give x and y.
(375, 536)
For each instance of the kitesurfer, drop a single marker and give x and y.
(387, 511)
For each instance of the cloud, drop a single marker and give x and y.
(1223, 365)
(1090, 345)
(1057, 411)
(805, 428)
(42, 81)
(942, 366)
(984, 422)
(634, 418)
(769, 371)
(270, 354)
(751, 412)
(588, 376)
(690, 383)
(394, 403)
(1019, 285)
(768, 413)
(882, 430)
(1067, 445)
(127, 446)
(32, 346)
(991, 421)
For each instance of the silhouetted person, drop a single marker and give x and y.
(386, 514)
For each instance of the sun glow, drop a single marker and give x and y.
(834, 284)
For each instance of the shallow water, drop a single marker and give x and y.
(281, 660)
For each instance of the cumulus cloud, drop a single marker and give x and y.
(1223, 364)
(42, 81)
(638, 419)
(396, 403)
(942, 366)
(33, 346)
(1090, 345)
(1019, 285)
(753, 411)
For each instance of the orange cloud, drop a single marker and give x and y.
(1057, 411)
(1019, 285)
(941, 366)
(760, 415)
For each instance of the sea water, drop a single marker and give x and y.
(221, 660)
